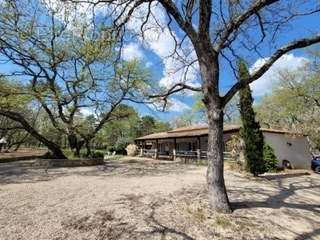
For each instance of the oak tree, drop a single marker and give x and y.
(211, 34)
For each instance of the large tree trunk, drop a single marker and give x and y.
(209, 66)
(218, 197)
(75, 144)
(88, 147)
(56, 150)
(53, 147)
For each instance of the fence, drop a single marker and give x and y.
(186, 155)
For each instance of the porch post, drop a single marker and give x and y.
(198, 154)
(174, 149)
(141, 150)
(199, 149)
(156, 152)
(143, 145)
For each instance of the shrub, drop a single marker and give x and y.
(269, 158)
(132, 149)
(235, 145)
(97, 154)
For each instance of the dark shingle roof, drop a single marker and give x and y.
(202, 130)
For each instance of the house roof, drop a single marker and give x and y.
(202, 130)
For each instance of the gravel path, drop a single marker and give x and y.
(152, 200)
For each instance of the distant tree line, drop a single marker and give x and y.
(114, 135)
(295, 103)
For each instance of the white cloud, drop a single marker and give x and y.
(270, 79)
(161, 42)
(132, 51)
(149, 64)
(87, 111)
(178, 106)
(174, 72)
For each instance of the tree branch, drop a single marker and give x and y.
(302, 43)
(205, 17)
(234, 24)
(176, 88)
(17, 117)
(185, 25)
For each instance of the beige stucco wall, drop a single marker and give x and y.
(297, 153)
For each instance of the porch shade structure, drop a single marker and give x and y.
(191, 142)
(181, 142)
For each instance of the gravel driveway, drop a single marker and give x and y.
(137, 199)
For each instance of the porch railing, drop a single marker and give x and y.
(200, 155)
(186, 154)
(149, 152)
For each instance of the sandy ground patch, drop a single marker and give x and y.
(22, 153)
(152, 200)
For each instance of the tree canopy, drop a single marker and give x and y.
(294, 103)
(68, 69)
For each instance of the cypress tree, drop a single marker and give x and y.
(250, 130)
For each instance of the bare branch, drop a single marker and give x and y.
(204, 18)
(234, 24)
(265, 67)
(185, 25)
(174, 89)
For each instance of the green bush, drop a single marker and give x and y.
(269, 158)
(97, 154)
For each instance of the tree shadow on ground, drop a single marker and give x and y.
(161, 229)
(309, 235)
(141, 223)
(279, 200)
(286, 175)
(24, 172)
(287, 197)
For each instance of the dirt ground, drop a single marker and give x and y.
(137, 199)
(22, 153)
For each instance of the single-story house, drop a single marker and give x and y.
(191, 142)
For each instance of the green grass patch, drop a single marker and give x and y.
(198, 214)
(223, 221)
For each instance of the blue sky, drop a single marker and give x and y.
(153, 50)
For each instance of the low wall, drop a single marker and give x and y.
(67, 163)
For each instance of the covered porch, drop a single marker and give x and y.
(173, 148)
(185, 143)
